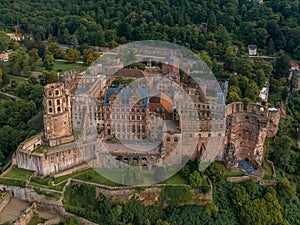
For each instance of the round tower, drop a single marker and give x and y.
(57, 115)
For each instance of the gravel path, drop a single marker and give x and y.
(13, 210)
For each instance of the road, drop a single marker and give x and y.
(9, 95)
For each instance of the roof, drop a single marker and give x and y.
(130, 73)
(125, 94)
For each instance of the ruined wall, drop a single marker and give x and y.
(274, 118)
(56, 160)
(33, 142)
(247, 131)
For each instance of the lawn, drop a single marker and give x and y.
(60, 67)
(42, 149)
(16, 79)
(36, 220)
(175, 179)
(19, 174)
(89, 175)
(59, 187)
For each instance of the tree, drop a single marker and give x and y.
(174, 195)
(72, 55)
(211, 209)
(212, 22)
(297, 53)
(1, 80)
(215, 171)
(19, 63)
(286, 190)
(48, 77)
(5, 42)
(206, 58)
(48, 61)
(195, 179)
(74, 42)
(89, 56)
(57, 51)
(270, 46)
(34, 54)
(72, 221)
(282, 67)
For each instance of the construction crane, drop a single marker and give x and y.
(17, 37)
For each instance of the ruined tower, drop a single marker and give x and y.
(57, 116)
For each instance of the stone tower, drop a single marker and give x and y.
(57, 116)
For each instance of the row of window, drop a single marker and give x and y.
(168, 139)
(124, 128)
(58, 109)
(50, 102)
(56, 93)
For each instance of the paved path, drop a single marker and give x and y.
(9, 95)
(13, 210)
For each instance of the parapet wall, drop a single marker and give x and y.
(5, 200)
(32, 143)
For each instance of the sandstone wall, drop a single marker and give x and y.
(149, 195)
(32, 143)
(26, 216)
(29, 161)
(28, 194)
(246, 132)
(5, 201)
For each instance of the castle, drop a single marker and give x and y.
(100, 118)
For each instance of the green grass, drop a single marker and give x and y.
(59, 187)
(19, 174)
(42, 149)
(36, 220)
(89, 175)
(16, 79)
(175, 179)
(60, 67)
(268, 174)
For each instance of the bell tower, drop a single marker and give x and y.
(57, 115)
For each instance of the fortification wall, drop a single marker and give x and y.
(149, 195)
(5, 200)
(247, 131)
(29, 161)
(26, 216)
(32, 143)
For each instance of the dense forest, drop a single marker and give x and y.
(272, 26)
